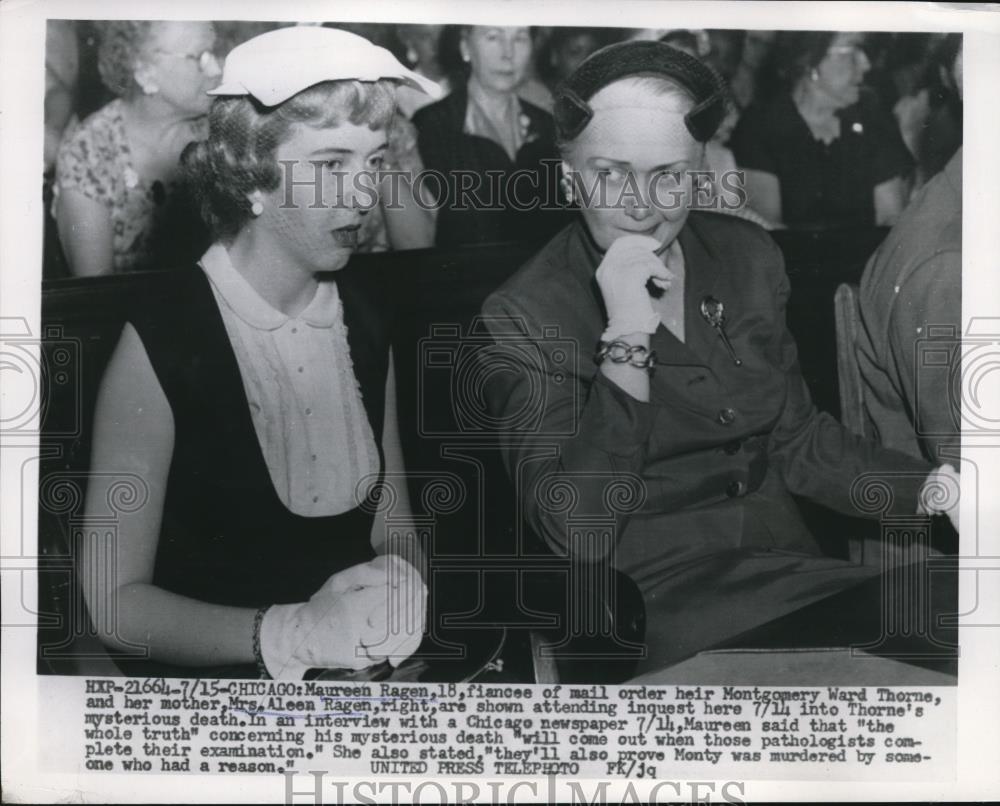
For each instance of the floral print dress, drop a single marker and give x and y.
(153, 223)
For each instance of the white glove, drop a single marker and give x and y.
(627, 265)
(330, 630)
(399, 619)
(939, 495)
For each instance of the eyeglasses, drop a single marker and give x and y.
(206, 60)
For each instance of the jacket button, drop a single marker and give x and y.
(734, 488)
(732, 447)
(726, 416)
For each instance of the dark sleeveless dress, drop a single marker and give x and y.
(225, 536)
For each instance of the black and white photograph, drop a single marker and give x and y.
(450, 392)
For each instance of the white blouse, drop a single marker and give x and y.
(304, 397)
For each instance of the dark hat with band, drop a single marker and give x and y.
(609, 64)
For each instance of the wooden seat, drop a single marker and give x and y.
(864, 550)
(847, 313)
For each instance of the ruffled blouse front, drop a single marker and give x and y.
(303, 394)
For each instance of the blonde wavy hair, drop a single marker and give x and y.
(239, 155)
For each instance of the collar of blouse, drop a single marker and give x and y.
(323, 311)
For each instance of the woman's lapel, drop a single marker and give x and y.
(681, 364)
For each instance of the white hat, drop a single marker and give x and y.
(276, 65)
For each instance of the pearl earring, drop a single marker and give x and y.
(257, 207)
(411, 55)
(566, 184)
(814, 75)
(145, 82)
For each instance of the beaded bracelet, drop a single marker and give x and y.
(258, 656)
(621, 352)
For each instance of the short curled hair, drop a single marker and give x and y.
(240, 154)
(121, 43)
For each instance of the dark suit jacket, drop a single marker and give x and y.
(707, 465)
(498, 207)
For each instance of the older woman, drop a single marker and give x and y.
(496, 151)
(259, 389)
(822, 152)
(120, 203)
(682, 477)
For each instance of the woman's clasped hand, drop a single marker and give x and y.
(363, 615)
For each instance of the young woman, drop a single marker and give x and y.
(256, 401)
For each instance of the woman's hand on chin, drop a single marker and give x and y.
(622, 276)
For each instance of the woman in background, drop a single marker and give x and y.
(399, 221)
(822, 153)
(422, 43)
(256, 402)
(565, 50)
(480, 136)
(120, 204)
(928, 103)
(719, 160)
(62, 69)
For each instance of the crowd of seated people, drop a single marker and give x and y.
(828, 130)
(514, 122)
